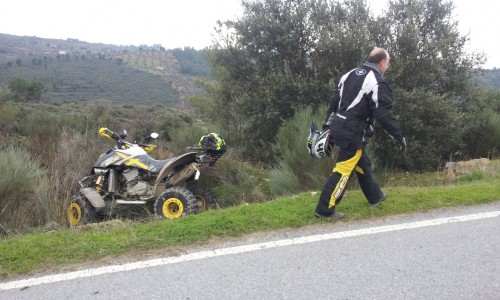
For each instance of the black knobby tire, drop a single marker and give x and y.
(205, 197)
(175, 202)
(80, 211)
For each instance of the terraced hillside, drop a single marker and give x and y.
(168, 67)
(72, 70)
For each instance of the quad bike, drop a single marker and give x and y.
(126, 175)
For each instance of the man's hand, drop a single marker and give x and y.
(402, 144)
(328, 122)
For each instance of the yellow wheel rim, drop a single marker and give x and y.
(172, 208)
(74, 214)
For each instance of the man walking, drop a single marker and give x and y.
(362, 97)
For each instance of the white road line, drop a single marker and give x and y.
(239, 249)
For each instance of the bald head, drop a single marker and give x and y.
(379, 57)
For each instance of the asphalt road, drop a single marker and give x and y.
(445, 254)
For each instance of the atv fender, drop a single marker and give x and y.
(183, 159)
(93, 196)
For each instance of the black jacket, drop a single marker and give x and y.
(361, 97)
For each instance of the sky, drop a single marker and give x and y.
(190, 23)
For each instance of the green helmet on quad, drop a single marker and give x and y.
(213, 145)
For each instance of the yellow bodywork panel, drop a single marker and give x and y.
(133, 162)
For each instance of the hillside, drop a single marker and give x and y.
(72, 70)
(491, 79)
(76, 71)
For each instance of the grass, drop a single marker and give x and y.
(30, 253)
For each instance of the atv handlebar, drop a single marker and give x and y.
(105, 132)
(119, 140)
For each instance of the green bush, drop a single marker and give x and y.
(24, 191)
(43, 130)
(24, 90)
(76, 154)
(291, 144)
(8, 116)
(482, 124)
(237, 182)
(97, 114)
(185, 136)
(432, 126)
(283, 181)
(46, 189)
(5, 94)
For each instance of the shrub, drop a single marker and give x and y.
(283, 181)
(43, 130)
(24, 191)
(8, 115)
(76, 154)
(236, 182)
(482, 124)
(432, 127)
(98, 114)
(292, 147)
(183, 137)
(5, 94)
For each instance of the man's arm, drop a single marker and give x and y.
(384, 115)
(332, 107)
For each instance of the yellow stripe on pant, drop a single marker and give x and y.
(344, 168)
(359, 170)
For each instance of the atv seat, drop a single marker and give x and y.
(155, 166)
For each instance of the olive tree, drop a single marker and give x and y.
(430, 74)
(281, 55)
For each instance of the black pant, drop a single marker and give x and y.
(348, 161)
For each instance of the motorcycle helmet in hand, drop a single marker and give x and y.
(319, 144)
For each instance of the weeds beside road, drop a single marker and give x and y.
(32, 253)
